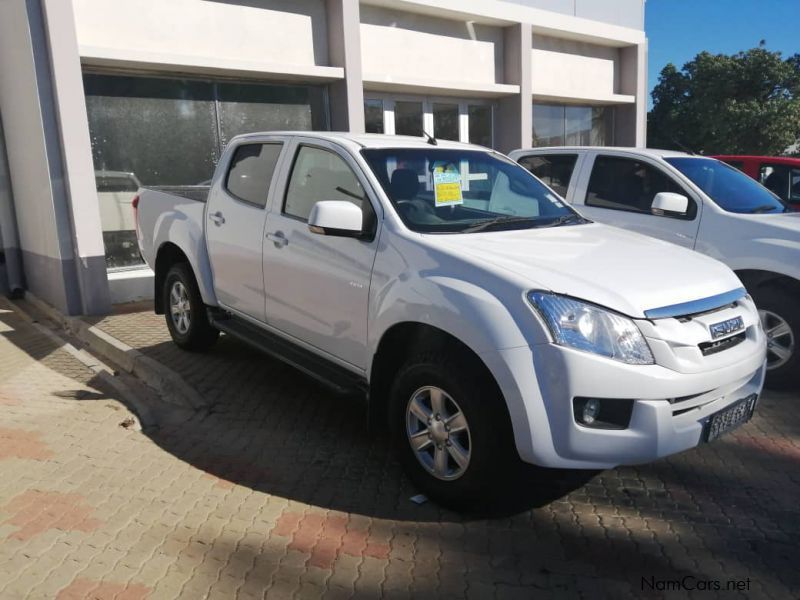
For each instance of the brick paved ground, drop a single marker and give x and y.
(280, 492)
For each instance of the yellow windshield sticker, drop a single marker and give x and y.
(447, 189)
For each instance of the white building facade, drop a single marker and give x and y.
(98, 97)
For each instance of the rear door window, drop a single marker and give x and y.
(629, 184)
(553, 169)
(251, 170)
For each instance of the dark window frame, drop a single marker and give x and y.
(691, 211)
(229, 168)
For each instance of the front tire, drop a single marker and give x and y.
(780, 318)
(450, 427)
(185, 312)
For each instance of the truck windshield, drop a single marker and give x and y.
(731, 189)
(440, 190)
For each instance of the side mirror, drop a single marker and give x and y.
(666, 203)
(336, 218)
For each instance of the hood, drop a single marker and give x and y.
(618, 269)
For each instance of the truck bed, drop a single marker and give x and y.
(198, 193)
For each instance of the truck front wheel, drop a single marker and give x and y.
(451, 429)
(780, 317)
(185, 311)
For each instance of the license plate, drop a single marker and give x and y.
(730, 418)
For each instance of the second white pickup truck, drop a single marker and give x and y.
(699, 203)
(488, 322)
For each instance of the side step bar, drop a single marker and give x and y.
(329, 374)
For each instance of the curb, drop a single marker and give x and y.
(166, 382)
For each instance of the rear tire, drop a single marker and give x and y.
(466, 458)
(780, 317)
(185, 312)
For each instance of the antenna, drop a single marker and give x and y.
(431, 140)
(682, 147)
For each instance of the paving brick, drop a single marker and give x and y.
(280, 492)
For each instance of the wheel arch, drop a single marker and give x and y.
(757, 278)
(402, 340)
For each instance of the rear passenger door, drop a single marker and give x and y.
(619, 190)
(235, 218)
(317, 286)
(555, 170)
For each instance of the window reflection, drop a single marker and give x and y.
(556, 125)
(156, 131)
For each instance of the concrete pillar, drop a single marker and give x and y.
(344, 50)
(514, 119)
(630, 121)
(49, 156)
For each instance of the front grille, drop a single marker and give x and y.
(709, 348)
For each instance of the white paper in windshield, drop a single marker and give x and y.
(447, 189)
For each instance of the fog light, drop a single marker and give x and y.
(602, 413)
(590, 411)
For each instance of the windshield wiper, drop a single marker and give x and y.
(503, 220)
(763, 208)
(570, 218)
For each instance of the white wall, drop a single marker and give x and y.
(291, 32)
(574, 69)
(403, 46)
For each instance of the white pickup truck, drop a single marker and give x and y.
(699, 203)
(489, 323)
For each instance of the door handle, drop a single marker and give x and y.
(217, 218)
(278, 239)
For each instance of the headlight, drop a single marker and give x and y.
(592, 329)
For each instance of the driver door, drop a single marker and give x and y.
(317, 286)
(619, 190)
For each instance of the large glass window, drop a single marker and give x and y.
(556, 125)
(480, 124)
(408, 118)
(250, 173)
(445, 121)
(155, 131)
(373, 116)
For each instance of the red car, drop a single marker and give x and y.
(779, 174)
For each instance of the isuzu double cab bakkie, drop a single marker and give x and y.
(488, 322)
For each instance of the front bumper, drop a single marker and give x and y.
(670, 408)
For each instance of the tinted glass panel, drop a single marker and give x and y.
(251, 171)
(445, 121)
(373, 116)
(555, 169)
(627, 184)
(548, 125)
(794, 197)
(320, 175)
(408, 118)
(572, 125)
(480, 125)
(247, 108)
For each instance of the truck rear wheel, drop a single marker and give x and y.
(780, 317)
(451, 429)
(185, 311)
